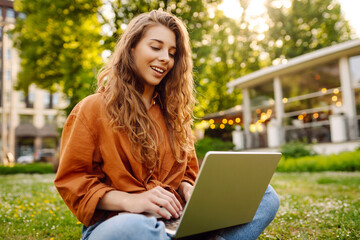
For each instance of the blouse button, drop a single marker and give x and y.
(150, 171)
(154, 103)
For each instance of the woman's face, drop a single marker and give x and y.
(154, 55)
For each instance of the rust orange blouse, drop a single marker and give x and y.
(95, 159)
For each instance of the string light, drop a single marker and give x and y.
(222, 126)
(237, 120)
(285, 100)
(224, 121)
(231, 122)
(323, 90)
(252, 128)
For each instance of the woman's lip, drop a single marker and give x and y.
(158, 74)
(157, 67)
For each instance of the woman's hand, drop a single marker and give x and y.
(185, 190)
(155, 200)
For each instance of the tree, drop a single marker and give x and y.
(304, 26)
(59, 46)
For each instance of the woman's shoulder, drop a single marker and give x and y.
(90, 104)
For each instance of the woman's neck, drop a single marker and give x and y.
(147, 96)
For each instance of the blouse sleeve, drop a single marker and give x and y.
(192, 169)
(79, 176)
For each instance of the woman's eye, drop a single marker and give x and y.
(155, 48)
(172, 55)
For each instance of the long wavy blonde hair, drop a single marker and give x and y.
(122, 88)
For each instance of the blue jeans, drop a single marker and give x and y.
(137, 226)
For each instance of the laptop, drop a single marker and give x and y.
(227, 192)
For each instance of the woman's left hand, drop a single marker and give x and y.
(185, 190)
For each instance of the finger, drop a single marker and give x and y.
(166, 208)
(173, 198)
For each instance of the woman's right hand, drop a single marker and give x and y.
(153, 200)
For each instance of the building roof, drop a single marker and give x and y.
(323, 55)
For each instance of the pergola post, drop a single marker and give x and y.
(246, 116)
(279, 108)
(348, 97)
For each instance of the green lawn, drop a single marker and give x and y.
(313, 206)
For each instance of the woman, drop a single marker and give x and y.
(129, 147)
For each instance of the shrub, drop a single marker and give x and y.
(206, 144)
(27, 168)
(346, 161)
(296, 149)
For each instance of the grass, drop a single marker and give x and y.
(316, 206)
(313, 206)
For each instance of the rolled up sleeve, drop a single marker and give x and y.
(192, 169)
(79, 179)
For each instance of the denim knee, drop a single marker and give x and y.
(129, 226)
(272, 202)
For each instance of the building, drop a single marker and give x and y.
(28, 123)
(315, 97)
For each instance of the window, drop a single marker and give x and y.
(355, 70)
(8, 54)
(354, 63)
(10, 13)
(26, 118)
(310, 96)
(47, 100)
(49, 119)
(55, 99)
(8, 75)
(51, 100)
(29, 100)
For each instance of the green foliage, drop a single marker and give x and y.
(305, 26)
(27, 168)
(60, 41)
(296, 149)
(59, 46)
(346, 161)
(206, 144)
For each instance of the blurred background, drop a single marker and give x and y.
(267, 72)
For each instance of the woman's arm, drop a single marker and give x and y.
(153, 200)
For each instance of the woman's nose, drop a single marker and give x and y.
(164, 56)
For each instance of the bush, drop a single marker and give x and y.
(296, 149)
(206, 144)
(27, 168)
(346, 161)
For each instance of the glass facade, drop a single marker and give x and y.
(310, 97)
(354, 63)
(262, 104)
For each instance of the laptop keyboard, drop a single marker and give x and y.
(171, 224)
